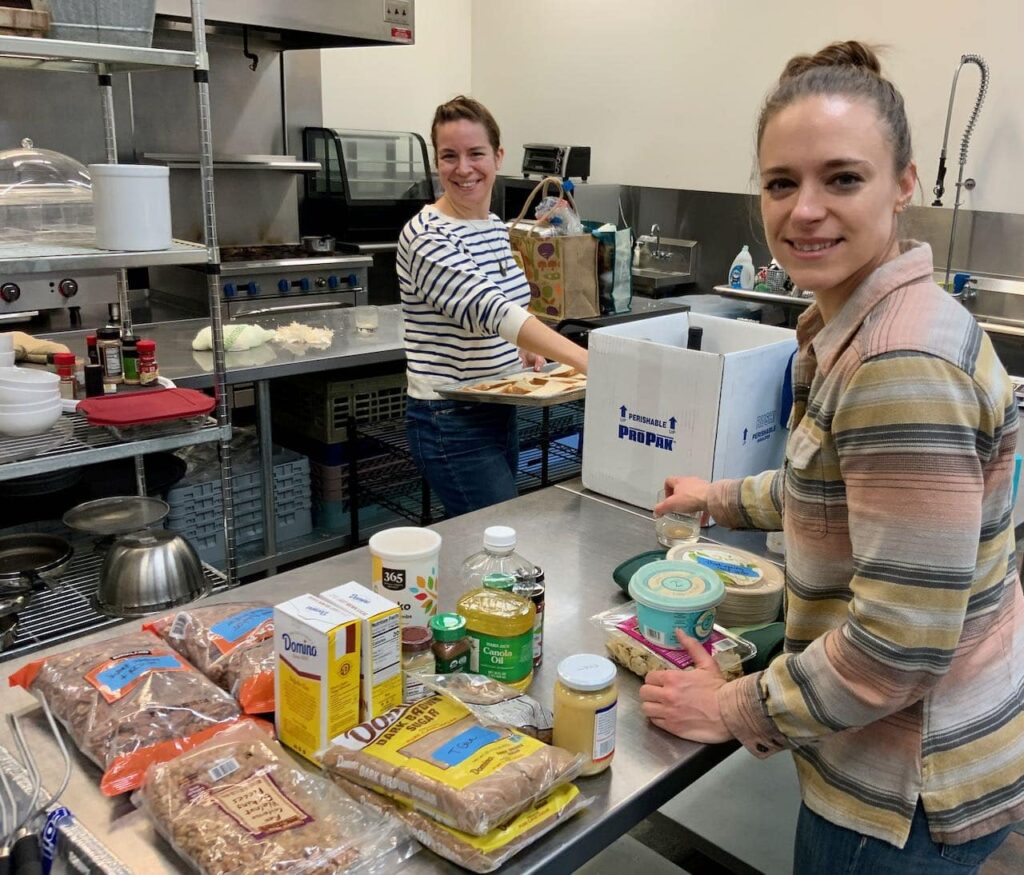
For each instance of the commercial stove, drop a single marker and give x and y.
(273, 278)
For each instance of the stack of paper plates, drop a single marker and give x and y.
(753, 585)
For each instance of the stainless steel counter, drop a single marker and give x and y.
(192, 368)
(578, 539)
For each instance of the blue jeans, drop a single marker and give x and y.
(822, 848)
(467, 452)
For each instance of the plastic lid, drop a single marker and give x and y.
(586, 672)
(534, 576)
(448, 627)
(676, 585)
(109, 334)
(146, 345)
(416, 638)
(500, 537)
(63, 358)
(90, 340)
(129, 340)
(499, 580)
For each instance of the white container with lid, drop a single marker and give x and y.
(586, 700)
(132, 206)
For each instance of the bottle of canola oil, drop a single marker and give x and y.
(500, 627)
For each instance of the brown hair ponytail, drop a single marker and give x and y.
(847, 68)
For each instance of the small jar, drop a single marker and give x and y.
(90, 349)
(93, 381)
(64, 362)
(130, 359)
(148, 368)
(108, 347)
(451, 643)
(532, 587)
(417, 659)
(586, 697)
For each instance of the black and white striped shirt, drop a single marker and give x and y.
(462, 315)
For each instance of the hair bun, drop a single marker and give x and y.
(850, 53)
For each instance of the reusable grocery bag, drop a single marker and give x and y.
(561, 269)
(614, 267)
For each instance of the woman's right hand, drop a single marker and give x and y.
(687, 494)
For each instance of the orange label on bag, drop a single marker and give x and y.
(259, 806)
(118, 676)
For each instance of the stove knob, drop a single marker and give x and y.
(10, 292)
(252, 288)
(333, 282)
(283, 286)
(304, 284)
(353, 280)
(320, 282)
(68, 288)
(229, 290)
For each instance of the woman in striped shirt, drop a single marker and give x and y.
(901, 689)
(463, 306)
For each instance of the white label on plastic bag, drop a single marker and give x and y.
(177, 630)
(224, 768)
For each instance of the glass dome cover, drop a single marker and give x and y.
(31, 175)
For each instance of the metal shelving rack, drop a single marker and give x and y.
(86, 444)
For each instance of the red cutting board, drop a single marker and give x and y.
(139, 408)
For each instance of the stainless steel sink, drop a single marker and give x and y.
(665, 262)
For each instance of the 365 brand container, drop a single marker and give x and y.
(675, 594)
(405, 564)
(132, 206)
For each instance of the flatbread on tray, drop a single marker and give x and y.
(539, 384)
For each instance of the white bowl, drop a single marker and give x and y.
(31, 379)
(7, 359)
(29, 422)
(37, 402)
(28, 394)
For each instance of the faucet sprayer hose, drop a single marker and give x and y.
(982, 91)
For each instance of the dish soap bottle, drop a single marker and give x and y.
(741, 274)
(499, 554)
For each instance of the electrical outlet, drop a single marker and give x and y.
(398, 11)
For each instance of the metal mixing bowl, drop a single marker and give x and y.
(149, 571)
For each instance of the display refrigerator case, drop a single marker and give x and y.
(370, 183)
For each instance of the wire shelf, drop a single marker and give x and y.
(82, 444)
(57, 615)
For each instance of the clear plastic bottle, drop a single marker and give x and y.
(741, 274)
(499, 554)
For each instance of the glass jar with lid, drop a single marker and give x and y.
(451, 643)
(417, 659)
(44, 195)
(586, 700)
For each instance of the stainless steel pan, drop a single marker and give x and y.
(31, 561)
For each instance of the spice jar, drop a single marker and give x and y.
(64, 362)
(532, 587)
(130, 359)
(93, 381)
(108, 347)
(148, 368)
(451, 643)
(90, 349)
(585, 702)
(417, 658)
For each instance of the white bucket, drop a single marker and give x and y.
(405, 566)
(132, 206)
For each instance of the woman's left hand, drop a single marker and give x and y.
(530, 360)
(685, 703)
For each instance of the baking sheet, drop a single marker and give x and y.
(460, 391)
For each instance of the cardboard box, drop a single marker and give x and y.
(316, 681)
(656, 409)
(380, 664)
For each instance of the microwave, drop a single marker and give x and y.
(547, 159)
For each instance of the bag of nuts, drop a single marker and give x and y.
(232, 644)
(128, 701)
(239, 804)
